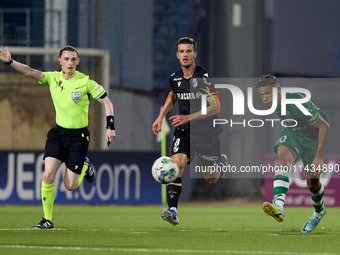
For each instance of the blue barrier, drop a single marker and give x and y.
(122, 178)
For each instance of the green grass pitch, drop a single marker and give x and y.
(205, 229)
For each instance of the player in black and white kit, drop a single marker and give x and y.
(191, 127)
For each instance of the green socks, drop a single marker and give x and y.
(47, 197)
(317, 199)
(281, 186)
(82, 174)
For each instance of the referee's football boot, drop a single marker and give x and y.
(170, 216)
(273, 210)
(313, 221)
(44, 224)
(90, 173)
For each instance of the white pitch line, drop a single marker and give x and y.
(26, 229)
(281, 232)
(132, 231)
(157, 250)
(128, 230)
(316, 235)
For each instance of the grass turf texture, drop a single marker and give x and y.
(203, 229)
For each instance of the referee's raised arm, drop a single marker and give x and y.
(6, 57)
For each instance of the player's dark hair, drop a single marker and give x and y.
(187, 40)
(266, 80)
(68, 48)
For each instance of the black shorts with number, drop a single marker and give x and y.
(69, 146)
(207, 148)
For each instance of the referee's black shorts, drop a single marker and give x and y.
(69, 146)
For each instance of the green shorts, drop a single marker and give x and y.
(304, 147)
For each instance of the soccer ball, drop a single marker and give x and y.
(165, 170)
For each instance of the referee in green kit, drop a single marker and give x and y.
(68, 142)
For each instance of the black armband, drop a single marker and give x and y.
(104, 95)
(10, 62)
(110, 122)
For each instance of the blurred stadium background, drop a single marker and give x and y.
(236, 38)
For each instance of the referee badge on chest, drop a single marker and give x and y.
(76, 97)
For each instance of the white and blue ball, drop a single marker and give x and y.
(165, 170)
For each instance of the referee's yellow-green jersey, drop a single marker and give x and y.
(71, 98)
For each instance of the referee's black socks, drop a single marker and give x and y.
(173, 191)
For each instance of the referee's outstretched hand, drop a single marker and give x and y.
(5, 56)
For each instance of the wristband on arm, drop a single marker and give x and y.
(10, 62)
(110, 122)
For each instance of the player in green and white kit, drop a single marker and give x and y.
(67, 142)
(307, 140)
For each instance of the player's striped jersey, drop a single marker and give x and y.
(304, 122)
(188, 93)
(71, 98)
